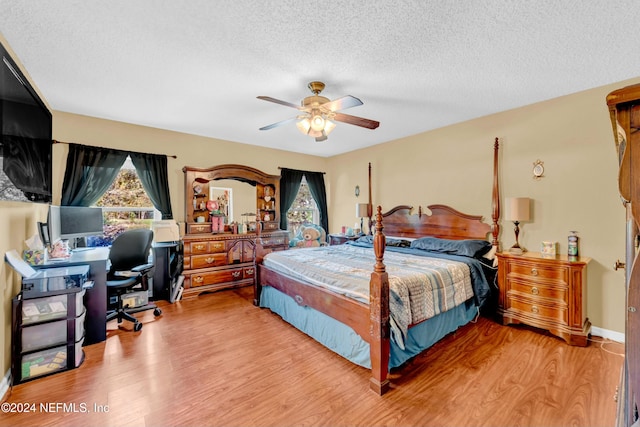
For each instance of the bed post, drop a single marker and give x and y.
(258, 253)
(495, 198)
(379, 314)
(369, 205)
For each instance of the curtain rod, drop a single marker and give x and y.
(280, 167)
(63, 142)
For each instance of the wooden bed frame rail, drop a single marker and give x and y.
(371, 321)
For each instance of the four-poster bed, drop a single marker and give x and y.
(369, 319)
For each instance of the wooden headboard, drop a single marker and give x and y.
(443, 222)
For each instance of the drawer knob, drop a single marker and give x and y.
(209, 260)
(199, 247)
(198, 279)
(534, 309)
(534, 271)
(535, 291)
(235, 274)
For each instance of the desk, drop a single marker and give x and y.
(95, 298)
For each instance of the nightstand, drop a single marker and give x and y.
(547, 292)
(339, 239)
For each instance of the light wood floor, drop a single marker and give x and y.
(219, 361)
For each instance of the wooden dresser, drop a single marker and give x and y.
(545, 292)
(220, 247)
(222, 261)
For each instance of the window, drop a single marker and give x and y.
(303, 209)
(125, 205)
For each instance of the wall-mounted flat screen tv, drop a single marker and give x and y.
(26, 140)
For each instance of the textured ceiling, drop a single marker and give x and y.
(197, 66)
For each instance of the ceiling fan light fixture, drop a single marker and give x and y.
(315, 133)
(318, 115)
(317, 122)
(304, 125)
(328, 126)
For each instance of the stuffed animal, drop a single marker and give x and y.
(310, 238)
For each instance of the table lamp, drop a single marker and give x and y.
(518, 209)
(361, 212)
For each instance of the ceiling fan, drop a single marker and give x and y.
(318, 114)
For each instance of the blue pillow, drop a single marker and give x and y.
(470, 247)
(390, 241)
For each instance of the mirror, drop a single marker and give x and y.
(222, 197)
(242, 198)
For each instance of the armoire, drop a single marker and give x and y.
(624, 109)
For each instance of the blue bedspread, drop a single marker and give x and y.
(422, 285)
(477, 268)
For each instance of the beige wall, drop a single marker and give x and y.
(572, 135)
(452, 165)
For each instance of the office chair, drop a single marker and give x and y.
(130, 268)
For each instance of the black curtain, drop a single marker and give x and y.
(290, 180)
(152, 171)
(315, 180)
(89, 173)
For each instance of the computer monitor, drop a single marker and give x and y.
(73, 222)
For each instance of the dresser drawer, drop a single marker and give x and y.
(270, 226)
(534, 290)
(208, 260)
(539, 271)
(541, 310)
(199, 247)
(199, 227)
(222, 276)
(274, 241)
(216, 247)
(207, 247)
(248, 272)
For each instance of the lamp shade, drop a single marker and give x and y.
(361, 210)
(518, 209)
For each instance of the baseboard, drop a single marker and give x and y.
(606, 333)
(4, 385)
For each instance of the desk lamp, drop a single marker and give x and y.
(361, 212)
(518, 209)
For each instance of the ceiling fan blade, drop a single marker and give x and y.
(343, 103)
(358, 121)
(283, 122)
(277, 101)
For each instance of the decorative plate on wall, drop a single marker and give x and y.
(538, 169)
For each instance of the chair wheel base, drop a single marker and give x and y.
(157, 312)
(137, 326)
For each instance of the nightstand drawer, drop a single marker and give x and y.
(539, 271)
(535, 290)
(557, 313)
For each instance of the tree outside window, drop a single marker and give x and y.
(125, 206)
(303, 210)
